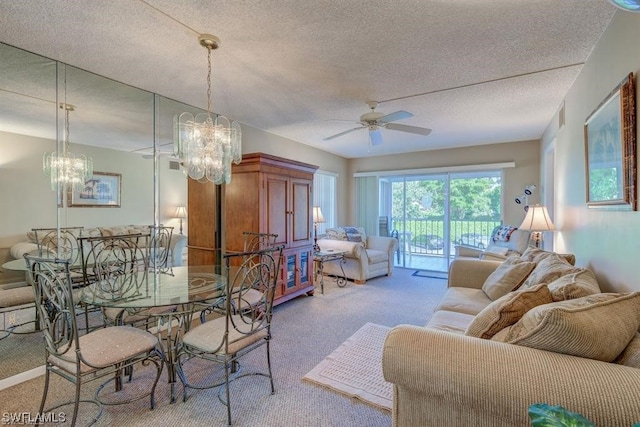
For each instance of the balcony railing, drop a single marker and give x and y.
(427, 236)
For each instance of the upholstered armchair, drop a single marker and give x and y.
(366, 257)
(505, 240)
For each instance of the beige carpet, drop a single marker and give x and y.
(355, 368)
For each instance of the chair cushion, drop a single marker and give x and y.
(208, 336)
(507, 310)
(450, 321)
(574, 285)
(508, 277)
(107, 346)
(464, 300)
(596, 326)
(376, 256)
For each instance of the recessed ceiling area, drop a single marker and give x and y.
(474, 72)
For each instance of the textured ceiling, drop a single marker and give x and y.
(473, 71)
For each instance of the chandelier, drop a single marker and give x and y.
(206, 147)
(66, 169)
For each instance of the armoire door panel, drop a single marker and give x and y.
(277, 208)
(301, 202)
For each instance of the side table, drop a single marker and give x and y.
(320, 258)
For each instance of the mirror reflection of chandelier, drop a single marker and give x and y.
(65, 168)
(206, 147)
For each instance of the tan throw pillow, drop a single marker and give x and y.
(507, 277)
(536, 255)
(630, 356)
(548, 270)
(574, 285)
(597, 326)
(507, 310)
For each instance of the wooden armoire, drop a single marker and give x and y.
(270, 194)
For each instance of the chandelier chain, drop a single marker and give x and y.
(208, 81)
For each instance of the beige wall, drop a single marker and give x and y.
(526, 156)
(28, 201)
(255, 140)
(608, 242)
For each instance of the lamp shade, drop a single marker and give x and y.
(318, 218)
(181, 212)
(537, 219)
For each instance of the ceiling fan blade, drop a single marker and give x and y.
(411, 129)
(375, 136)
(341, 133)
(392, 117)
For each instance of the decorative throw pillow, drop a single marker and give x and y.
(507, 310)
(355, 234)
(630, 356)
(548, 270)
(509, 275)
(574, 285)
(536, 255)
(598, 326)
(502, 233)
(336, 233)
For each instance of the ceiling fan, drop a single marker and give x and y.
(375, 121)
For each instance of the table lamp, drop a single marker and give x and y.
(181, 213)
(318, 218)
(537, 220)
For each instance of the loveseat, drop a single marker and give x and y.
(366, 256)
(482, 361)
(176, 245)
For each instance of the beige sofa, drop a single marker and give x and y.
(366, 256)
(442, 376)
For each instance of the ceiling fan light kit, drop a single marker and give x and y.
(628, 5)
(375, 121)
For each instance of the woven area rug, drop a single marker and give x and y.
(355, 368)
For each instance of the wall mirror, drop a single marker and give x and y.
(125, 131)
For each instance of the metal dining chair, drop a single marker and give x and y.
(117, 264)
(98, 354)
(253, 242)
(159, 249)
(224, 340)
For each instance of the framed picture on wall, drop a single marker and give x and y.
(101, 191)
(610, 150)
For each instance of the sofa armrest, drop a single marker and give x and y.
(176, 245)
(469, 272)
(353, 249)
(442, 378)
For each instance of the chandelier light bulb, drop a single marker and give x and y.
(628, 5)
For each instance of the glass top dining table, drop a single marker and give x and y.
(187, 289)
(147, 289)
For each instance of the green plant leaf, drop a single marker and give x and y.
(544, 415)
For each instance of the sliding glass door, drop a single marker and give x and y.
(432, 213)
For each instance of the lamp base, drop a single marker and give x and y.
(180, 225)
